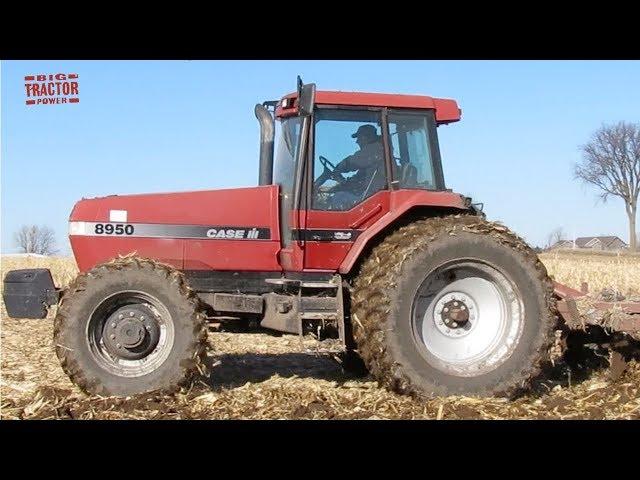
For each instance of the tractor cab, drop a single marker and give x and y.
(340, 160)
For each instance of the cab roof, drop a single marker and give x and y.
(446, 110)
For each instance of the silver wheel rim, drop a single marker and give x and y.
(99, 324)
(467, 318)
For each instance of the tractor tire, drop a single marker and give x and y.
(453, 306)
(130, 326)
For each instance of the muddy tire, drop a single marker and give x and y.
(130, 326)
(453, 306)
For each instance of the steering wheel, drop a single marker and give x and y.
(329, 170)
(326, 163)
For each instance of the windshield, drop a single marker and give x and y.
(284, 169)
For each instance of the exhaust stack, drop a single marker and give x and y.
(267, 134)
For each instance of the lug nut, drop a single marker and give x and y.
(131, 314)
(113, 325)
(112, 336)
(446, 309)
(455, 304)
(454, 324)
(118, 345)
(462, 307)
(142, 318)
(121, 316)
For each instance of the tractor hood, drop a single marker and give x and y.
(235, 206)
(179, 228)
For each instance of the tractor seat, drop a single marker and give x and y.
(408, 175)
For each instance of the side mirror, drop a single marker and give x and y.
(306, 98)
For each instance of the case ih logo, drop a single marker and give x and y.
(51, 89)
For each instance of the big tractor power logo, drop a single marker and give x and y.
(51, 89)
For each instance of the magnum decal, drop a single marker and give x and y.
(324, 235)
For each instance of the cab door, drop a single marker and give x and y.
(340, 208)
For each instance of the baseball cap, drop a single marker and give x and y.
(369, 130)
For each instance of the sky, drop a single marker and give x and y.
(159, 126)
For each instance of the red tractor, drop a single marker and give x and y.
(351, 233)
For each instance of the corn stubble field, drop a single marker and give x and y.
(266, 376)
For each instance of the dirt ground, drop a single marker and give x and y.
(267, 376)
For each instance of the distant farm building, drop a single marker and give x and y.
(610, 243)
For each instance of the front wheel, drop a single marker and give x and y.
(129, 326)
(453, 305)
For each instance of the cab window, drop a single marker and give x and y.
(284, 170)
(413, 148)
(348, 158)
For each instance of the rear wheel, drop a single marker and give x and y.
(129, 326)
(453, 305)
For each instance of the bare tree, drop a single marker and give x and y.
(554, 237)
(611, 162)
(35, 239)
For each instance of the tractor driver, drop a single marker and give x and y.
(367, 162)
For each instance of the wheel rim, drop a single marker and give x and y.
(130, 333)
(467, 318)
